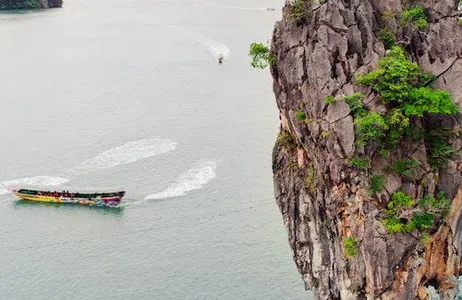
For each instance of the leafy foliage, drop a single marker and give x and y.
(420, 221)
(384, 153)
(260, 55)
(438, 151)
(387, 37)
(428, 209)
(403, 87)
(355, 102)
(388, 14)
(394, 78)
(310, 178)
(350, 246)
(440, 203)
(415, 134)
(416, 17)
(360, 162)
(371, 126)
(399, 200)
(300, 115)
(300, 11)
(376, 183)
(425, 239)
(426, 100)
(393, 225)
(330, 99)
(315, 283)
(285, 139)
(398, 124)
(403, 166)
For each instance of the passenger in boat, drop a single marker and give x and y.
(220, 58)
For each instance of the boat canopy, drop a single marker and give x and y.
(70, 194)
(70, 189)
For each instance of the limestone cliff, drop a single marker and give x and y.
(27, 4)
(324, 199)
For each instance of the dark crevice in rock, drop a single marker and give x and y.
(448, 68)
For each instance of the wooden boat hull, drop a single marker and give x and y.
(113, 201)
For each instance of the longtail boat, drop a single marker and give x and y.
(82, 196)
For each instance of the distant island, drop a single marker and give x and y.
(29, 4)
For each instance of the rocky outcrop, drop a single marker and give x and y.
(27, 4)
(324, 200)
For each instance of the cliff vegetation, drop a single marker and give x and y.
(368, 163)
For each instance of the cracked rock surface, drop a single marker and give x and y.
(321, 198)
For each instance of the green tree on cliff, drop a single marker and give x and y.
(260, 55)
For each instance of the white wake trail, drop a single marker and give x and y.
(249, 8)
(215, 48)
(127, 153)
(37, 180)
(193, 179)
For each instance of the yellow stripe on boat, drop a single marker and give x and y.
(38, 198)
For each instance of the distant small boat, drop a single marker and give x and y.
(82, 196)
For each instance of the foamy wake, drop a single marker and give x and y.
(37, 180)
(215, 48)
(127, 153)
(250, 8)
(193, 179)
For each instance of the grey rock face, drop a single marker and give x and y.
(322, 199)
(337, 111)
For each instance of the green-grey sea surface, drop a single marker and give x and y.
(129, 93)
